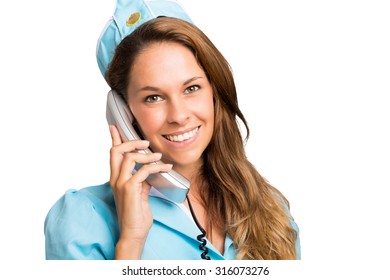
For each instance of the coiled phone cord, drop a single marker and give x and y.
(201, 237)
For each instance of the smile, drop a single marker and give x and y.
(182, 137)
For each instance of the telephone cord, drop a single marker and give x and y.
(201, 237)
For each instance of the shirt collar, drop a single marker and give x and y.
(177, 217)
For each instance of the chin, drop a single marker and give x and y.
(186, 160)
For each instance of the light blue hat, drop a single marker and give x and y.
(128, 15)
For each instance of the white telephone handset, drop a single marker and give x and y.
(171, 184)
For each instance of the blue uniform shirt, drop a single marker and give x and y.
(83, 224)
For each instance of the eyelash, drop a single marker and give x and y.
(189, 90)
(148, 98)
(193, 86)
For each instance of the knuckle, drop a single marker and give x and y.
(113, 150)
(119, 184)
(114, 183)
(129, 156)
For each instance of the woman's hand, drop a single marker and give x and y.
(131, 192)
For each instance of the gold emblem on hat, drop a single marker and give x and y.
(133, 19)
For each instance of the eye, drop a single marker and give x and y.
(153, 99)
(192, 89)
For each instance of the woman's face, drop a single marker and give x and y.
(172, 101)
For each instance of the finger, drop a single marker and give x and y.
(131, 146)
(149, 169)
(117, 140)
(115, 135)
(145, 190)
(115, 159)
(117, 153)
(129, 162)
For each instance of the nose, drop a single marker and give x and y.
(178, 111)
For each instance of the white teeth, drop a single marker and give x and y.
(182, 137)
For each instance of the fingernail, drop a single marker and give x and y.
(146, 142)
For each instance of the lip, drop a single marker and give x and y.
(174, 138)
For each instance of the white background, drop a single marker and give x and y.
(313, 79)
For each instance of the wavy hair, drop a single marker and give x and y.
(238, 199)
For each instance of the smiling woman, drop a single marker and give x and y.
(181, 92)
(171, 99)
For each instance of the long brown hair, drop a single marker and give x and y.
(239, 200)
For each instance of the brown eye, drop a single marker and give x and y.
(192, 89)
(153, 99)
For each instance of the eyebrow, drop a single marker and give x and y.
(152, 88)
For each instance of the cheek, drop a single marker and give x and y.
(205, 108)
(149, 121)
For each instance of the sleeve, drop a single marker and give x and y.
(75, 229)
(295, 227)
(297, 240)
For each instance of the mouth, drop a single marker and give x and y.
(182, 137)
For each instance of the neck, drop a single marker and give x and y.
(193, 173)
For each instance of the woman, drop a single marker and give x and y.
(181, 92)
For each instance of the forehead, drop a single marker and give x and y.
(163, 62)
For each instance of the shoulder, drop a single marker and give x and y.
(82, 224)
(82, 202)
(286, 205)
